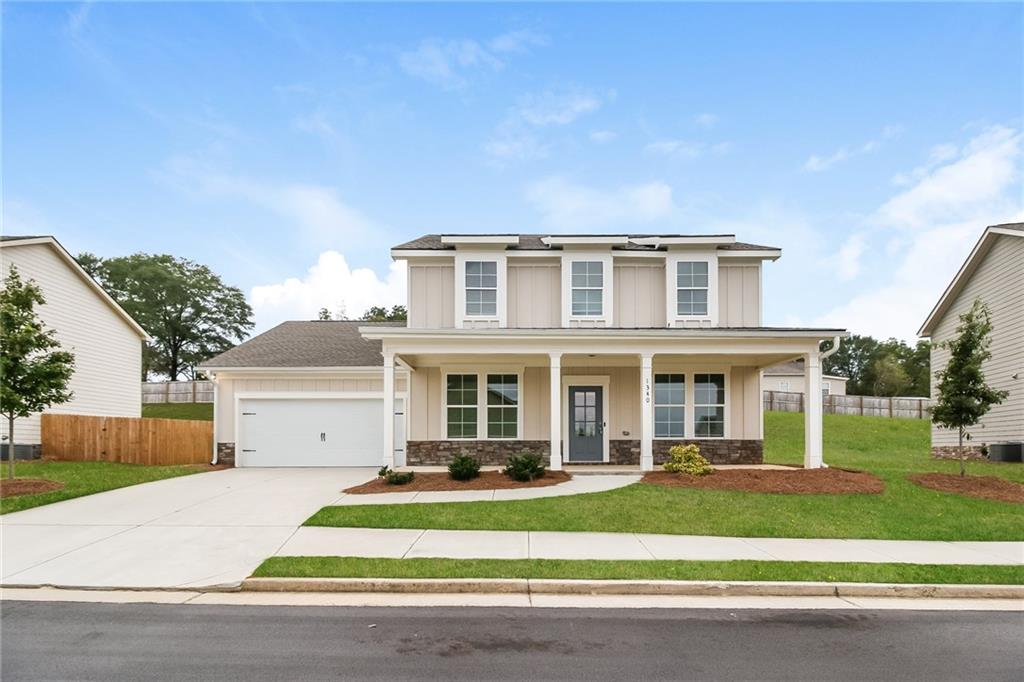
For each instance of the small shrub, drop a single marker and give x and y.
(686, 459)
(463, 467)
(399, 477)
(383, 471)
(526, 466)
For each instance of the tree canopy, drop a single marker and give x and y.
(884, 368)
(381, 314)
(189, 312)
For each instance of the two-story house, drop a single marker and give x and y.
(587, 348)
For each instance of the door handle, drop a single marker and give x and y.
(323, 437)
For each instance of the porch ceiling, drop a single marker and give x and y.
(757, 360)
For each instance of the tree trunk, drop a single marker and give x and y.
(963, 455)
(10, 447)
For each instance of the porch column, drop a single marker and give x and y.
(556, 411)
(812, 412)
(646, 415)
(389, 409)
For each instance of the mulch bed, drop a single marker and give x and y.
(27, 486)
(791, 482)
(985, 487)
(487, 480)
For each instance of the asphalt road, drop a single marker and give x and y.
(46, 640)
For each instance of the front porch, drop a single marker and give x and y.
(624, 404)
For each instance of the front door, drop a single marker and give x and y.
(586, 424)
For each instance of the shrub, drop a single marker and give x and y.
(399, 477)
(686, 459)
(383, 471)
(525, 466)
(463, 467)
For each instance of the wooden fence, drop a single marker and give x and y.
(177, 392)
(129, 440)
(863, 405)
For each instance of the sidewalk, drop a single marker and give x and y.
(472, 544)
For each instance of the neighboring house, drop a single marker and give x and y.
(993, 272)
(789, 377)
(584, 348)
(106, 341)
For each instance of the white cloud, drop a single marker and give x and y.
(817, 163)
(515, 145)
(317, 123)
(927, 230)
(518, 41)
(602, 136)
(565, 205)
(848, 258)
(449, 63)
(331, 283)
(679, 149)
(516, 138)
(705, 120)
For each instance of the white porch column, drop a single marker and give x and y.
(646, 413)
(812, 412)
(389, 409)
(556, 411)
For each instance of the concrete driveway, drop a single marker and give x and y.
(194, 531)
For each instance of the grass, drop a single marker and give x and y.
(890, 448)
(200, 411)
(86, 478)
(356, 567)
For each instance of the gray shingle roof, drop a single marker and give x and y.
(313, 343)
(17, 237)
(532, 242)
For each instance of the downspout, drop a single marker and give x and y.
(213, 378)
(829, 353)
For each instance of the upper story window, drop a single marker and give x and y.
(587, 288)
(692, 288)
(482, 288)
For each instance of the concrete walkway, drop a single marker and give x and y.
(591, 483)
(472, 544)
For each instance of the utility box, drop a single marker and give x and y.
(1005, 452)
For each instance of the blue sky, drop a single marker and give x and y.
(288, 146)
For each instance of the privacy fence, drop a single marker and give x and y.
(177, 392)
(129, 440)
(863, 405)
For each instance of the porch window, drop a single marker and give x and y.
(461, 405)
(692, 288)
(669, 405)
(481, 288)
(588, 288)
(502, 406)
(709, 405)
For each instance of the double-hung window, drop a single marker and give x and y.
(691, 288)
(709, 405)
(481, 288)
(669, 405)
(461, 404)
(587, 288)
(502, 406)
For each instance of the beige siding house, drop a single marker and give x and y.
(788, 377)
(587, 349)
(106, 341)
(994, 273)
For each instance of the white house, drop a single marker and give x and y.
(582, 348)
(106, 341)
(789, 377)
(994, 273)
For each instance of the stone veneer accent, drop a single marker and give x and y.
(226, 454)
(953, 452)
(623, 452)
(716, 451)
(488, 452)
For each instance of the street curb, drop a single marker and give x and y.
(631, 587)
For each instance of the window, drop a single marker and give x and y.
(482, 288)
(692, 288)
(462, 405)
(669, 405)
(826, 388)
(587, 288)
(784, 386)
(709, 405)
(502, 406)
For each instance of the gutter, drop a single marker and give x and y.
(829, 353)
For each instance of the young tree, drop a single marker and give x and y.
(34, 371)
(323, 314)
(964, 397)
(381, 314)
(189, 312)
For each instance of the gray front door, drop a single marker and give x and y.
(586, 424)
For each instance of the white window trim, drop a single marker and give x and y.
(481, 400)
(690, 412)
(672, 260)
(461, 318)
(607, 275)
(655, 405)
(826, 388)
(726, 407)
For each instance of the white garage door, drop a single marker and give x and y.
(309, 432)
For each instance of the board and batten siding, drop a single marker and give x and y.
(108, 352)
(534, 294)
(639, 297)
(739, 295)
(999, 282)
(432, 295)
(228, 386)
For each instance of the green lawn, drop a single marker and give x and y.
(86, 478)
(353, 567)
(890, 448)
(201, 411)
